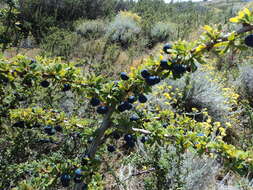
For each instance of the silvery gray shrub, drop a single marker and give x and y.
(161, 31)
(200, 92)
(245, 82)
(123, 30)
(91, 28)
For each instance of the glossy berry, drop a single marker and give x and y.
(3, 79)
(128, 137)
(65, 180)
(66, 87)
(58, 128)
(134, 118)
(19, 124)
(249, 40)
(124, 106)
(36, 125)
(142, 98)
(78, 172)
(178, 69)
(44, 83)
(111, 148)
(94, 102)
(145, 73)
(164, 64)
(124, 76)
(152, 80)
(131, 99)
(33, 61)
(166, 47)
(49, 130)
(129, 106)
(121, 108)
(165, 125)
(144, 139)
(102, 109)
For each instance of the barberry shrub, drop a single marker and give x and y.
(43, 147)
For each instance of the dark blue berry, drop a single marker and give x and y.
(131, 99)
(78, 172)
(44, 83)
(145, 73)
(4, 79)
(66, 87)
(58, 128)
(102, 109)
(94, 102)
(165, 125)
(178, 69)
(164, 64)
(249, 40)
(49, 130)
(144, 139)
(124, 106)
(129, 106)
(152, 80)
(65, 180)
(134, 118)
(19, 124)
(128, 137)
(142, 98)
(111, 148)
(124, 76)
(166, 47)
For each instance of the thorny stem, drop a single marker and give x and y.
(100, 132)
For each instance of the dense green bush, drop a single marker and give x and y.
(59, 43)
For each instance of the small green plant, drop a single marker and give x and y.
(59, 43)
